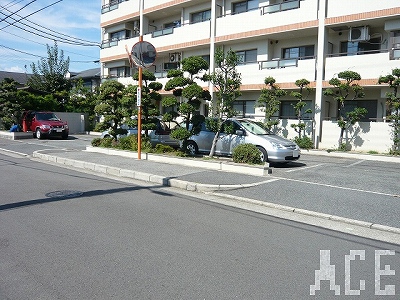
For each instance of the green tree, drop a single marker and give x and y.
(393, 103)
(187, 97)
(82, 99)
(49, 75)
(10, 108)
(113, 106)
(269, 101)
(301, 96)
(226, 81)
(149, 100)
(342, 91)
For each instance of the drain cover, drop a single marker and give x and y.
(64, 194)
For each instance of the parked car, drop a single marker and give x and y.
(130, 130)
(272, 148)
(44, 124)
(161, 135)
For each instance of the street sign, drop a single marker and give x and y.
(138, 96)
(143, 54)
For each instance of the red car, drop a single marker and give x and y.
(44, 124)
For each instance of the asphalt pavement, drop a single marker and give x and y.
(212, 177)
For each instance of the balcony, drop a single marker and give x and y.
(370, 65)
(274, 8)
(112, 5)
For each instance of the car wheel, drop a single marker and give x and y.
(106, 136)
(192, 148)
(38, 134)
(263, 155)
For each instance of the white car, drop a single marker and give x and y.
(272, 148)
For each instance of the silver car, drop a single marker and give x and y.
(273, 148)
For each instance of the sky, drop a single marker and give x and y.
(75, 24)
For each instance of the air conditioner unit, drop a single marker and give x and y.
(174, 57)
(358, 34)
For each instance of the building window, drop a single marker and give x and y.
(171, 66)
(302, 52)
(244, 108)
(119, 72)
(287, 110)
(206, 58)
(359, 48)
(243, 6)
(200, 16)
(370, 105)
(247, 56)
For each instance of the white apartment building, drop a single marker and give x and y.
(285, 39)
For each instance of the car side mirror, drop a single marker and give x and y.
(239, 132)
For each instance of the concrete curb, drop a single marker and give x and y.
(359, 223)
(256, 170)
(119, 172)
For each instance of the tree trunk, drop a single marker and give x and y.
(214, 143)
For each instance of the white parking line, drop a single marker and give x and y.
(356, 163)
(299, 169)
(339, 187)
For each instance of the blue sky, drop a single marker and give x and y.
(69, 21)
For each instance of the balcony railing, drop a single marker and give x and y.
(278, 63)
(273, 8)
(165, 31)
(114, 42)
(113, 4)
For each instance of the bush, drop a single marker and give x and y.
(246, 153)
(107, 143)
(161, 148)
(145, 146)
(127, 142)
(96, 142)
(304, 142)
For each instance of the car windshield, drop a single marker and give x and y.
(47, 117)
(254, 127)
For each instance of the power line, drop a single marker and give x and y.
(17, 11)
(58, 33)
(42, 57)
(31, 13)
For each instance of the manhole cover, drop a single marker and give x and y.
(64, 194)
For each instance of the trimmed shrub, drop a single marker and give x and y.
(96, 142)
(127, 142)
(304, 142)
(161, 148)
(107, 143)
(246, 153)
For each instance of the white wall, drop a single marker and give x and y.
(364, 136)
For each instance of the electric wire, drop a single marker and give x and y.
(56, 32)
(13, 13)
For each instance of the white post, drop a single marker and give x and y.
(320, 70)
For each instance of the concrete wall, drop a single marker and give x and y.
(363, 136)
(77, 122)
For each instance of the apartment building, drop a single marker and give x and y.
(285, 39)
